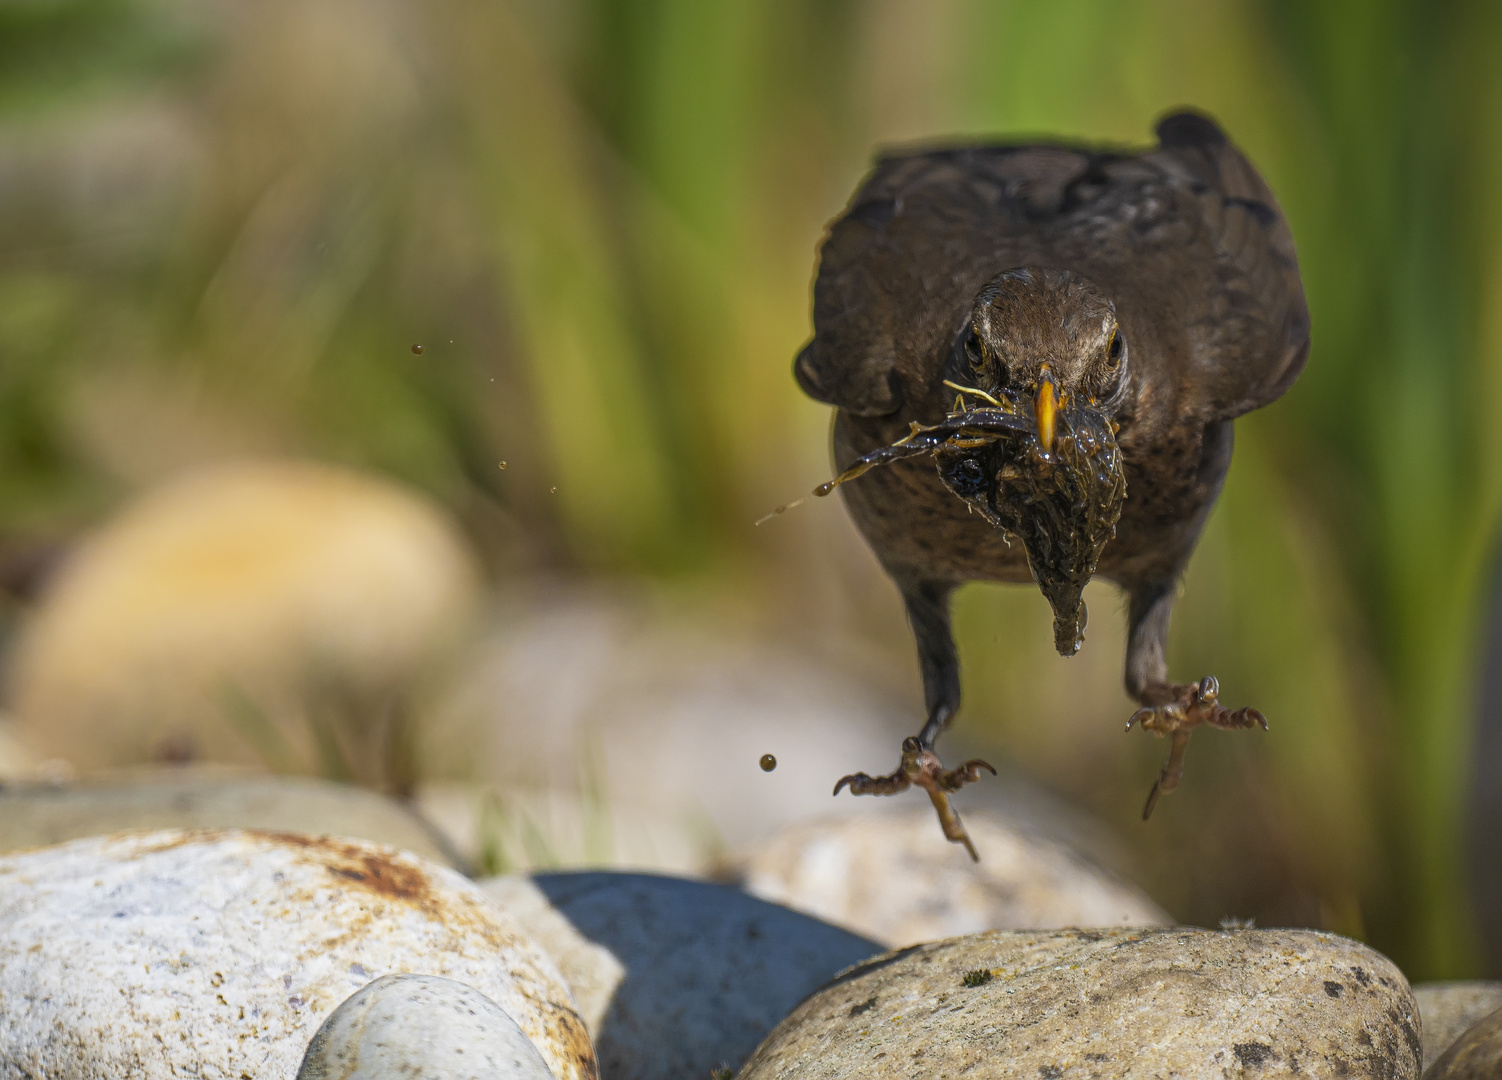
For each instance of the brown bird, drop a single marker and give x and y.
(1068, 332)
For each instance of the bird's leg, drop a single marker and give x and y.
(928, 611)
(1172, 709)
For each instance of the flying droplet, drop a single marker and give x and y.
(503, 464)
(555, 491)
(417, 350)
(768, 763)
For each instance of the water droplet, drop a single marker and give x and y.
(768, 763)
(554, 491)
(417, 350)
(503, 464)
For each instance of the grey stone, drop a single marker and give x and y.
(1448, 1009)
(1106, 1003)
(218, 953)
(674, 978)
(38, 815)
(404, 1026)
(889, 874)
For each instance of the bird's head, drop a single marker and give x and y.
(1030, 445)
(1044, 340)
(1042, 348)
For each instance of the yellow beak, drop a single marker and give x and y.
(1045, 408)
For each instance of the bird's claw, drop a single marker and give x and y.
(922, 767)
(864, 784)
(1193, 704)
(967, 773)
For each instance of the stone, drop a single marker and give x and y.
(603, 692)
(1448, 1009)
(1106, 1003)
(256, 613)
(889, 875)
(38, 815)
(220, 952)
(674, 978)
(405, 1026)
(1475, 1055)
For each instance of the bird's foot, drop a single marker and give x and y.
(922, 767)
(1192, 704)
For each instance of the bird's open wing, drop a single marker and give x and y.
(1185, 237)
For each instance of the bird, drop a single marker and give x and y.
(1036, 352)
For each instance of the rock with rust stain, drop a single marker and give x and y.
(674, 978)
(888, 876)
(1107, 1003)
(405, 1026)
(220, 952)
(1449, 1009)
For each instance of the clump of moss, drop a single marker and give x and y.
(978, 977)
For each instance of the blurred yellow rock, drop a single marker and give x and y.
(20, 763)
(279, 613)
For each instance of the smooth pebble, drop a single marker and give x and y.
(405, 1026)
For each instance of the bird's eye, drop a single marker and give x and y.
(1115, 349)
(975, 352)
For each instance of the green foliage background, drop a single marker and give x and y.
(222, 226)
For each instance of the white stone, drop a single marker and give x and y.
(674, 978)
(405, 1026)
(218, 953)
(889, 874)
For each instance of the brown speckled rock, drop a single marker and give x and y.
(1448, 1009)
(1106, 1003)
(218, 953)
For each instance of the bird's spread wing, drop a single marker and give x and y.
(1185, 237)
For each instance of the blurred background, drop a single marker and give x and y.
(423, 369)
